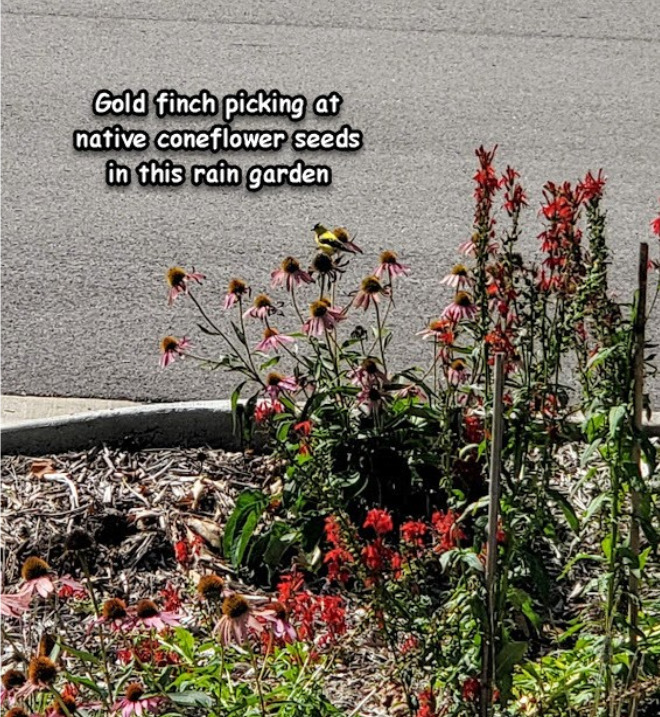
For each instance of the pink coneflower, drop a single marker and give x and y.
(275, 615)
(235, 292)
(12, 681)
(324, 316)
(390, 265)
(265, 408)
(148, 615)
(178, 279)
(371, 398)
(457, 372)
(458, 278)
(411, 390)
(261, 308)
(14, 605)
(290, 274)
(238, 618)
(37, 578)
(272, 340)
(276, 383)
(134, 703)
(461, 308)
(370, 290)
(114, 614)
(367, 373)
(42, 672)
(172, 348)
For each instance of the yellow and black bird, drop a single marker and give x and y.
(337, 240)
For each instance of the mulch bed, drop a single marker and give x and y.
(138, 506)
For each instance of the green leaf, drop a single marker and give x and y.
(616, 417)
(507, 658)
(191, 698)
(595, 505)
(241, 524)
(566, 508)
(82, 655)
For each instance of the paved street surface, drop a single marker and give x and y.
(562, 86)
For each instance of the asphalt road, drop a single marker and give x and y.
(562, 87)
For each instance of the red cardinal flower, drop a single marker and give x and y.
(380, 520)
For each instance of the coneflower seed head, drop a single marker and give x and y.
(146, 608)
(34, 568)
(114, 609)
(318, 309)
(42, 670)
(134, 691)
(176, 276)
(463, 299)
(371, 285)
(235, 606)
(210, 587)
(12, 679)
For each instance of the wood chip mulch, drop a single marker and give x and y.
(138, 506)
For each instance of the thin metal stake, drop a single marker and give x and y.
(638, 407)
(488, 653)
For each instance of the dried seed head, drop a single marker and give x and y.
(388, 257)
(42, 670)
(237, 286)
(134, 690)
(114, 609)
(371, 285)
(322, 263)
(370, 366)
(318, 309)
(146, 608)
(235, 606)
(78, 540)
(34, 568)
(69, 705)
(290, 265)
(46, 644)
(176, 276)
(16, 712)
(12, 679)
(463, 299)
(169, 343)
(210, 587)
(262, 301)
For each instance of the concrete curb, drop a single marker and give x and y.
(165, 425)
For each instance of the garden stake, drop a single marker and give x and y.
(488, 654)
(638, 404)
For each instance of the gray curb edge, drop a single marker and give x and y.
(164, 425)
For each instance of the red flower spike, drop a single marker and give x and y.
(380, 520)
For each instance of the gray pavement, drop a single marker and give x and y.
(563, 87)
